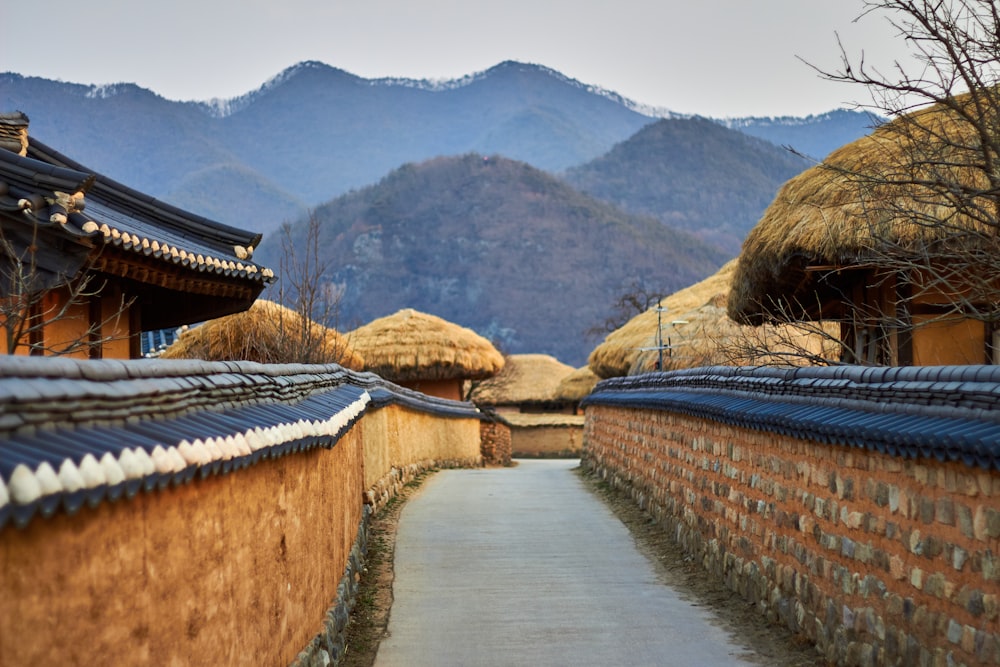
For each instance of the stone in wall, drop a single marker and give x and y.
(878, 559)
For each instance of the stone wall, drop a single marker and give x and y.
(176, 513)
(885, 557)
(494, 437)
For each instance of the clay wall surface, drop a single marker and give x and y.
(232, 569)
(401, 443)
(543, 441)
(879, 557)
(195, 513)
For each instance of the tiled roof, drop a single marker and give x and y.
(59, 193)
(76, 432)
(951, 413)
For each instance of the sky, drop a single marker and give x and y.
(719, 58)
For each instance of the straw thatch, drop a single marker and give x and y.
(860, 201)
(528, 420)
(526, 379)
(699, 332)
(266, 333)
(615, 356)
(409, 346)
(577, 385)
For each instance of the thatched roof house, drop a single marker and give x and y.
(425, 352)
(577, 385)
(267, 333)
(865, 239)
(528, 382)
(149, 265)
(695, 330)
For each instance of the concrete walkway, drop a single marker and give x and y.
(524, 566)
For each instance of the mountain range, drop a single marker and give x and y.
(499, 246)
(516, 201)
(314, 132)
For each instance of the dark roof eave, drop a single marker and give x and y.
(182, 221)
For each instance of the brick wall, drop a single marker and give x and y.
(878, 558)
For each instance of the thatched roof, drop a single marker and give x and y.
(410, 346)
(527, 378)
(577, 385)
(543, 420)
(859, 202)
(267, 333)
(700, 333)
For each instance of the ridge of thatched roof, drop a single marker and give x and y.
(615, 356)
(409, 346)
(700, 333)
(577, 385)
(859, 200)
(526, 378)
(263, 334)
(542, 420)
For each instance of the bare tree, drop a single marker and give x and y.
(920, 196)
(35, 300)
(303, 288)
(633, 300)
(939, 175)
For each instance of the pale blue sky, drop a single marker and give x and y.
(710, 57)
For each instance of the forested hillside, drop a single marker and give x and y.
(694, 174)
(498, 246)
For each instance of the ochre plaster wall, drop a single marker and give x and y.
(396, 437)
(541, 441)
(877, 559)
(226, 570)
(939, 343)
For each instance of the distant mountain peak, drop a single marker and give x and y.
(226, 107)
(791, 121)
(105, 91)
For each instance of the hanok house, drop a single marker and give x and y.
(425, 353)
(692, 329)
(525, 395)
(87, 264)
(895, 237)
(527, 383)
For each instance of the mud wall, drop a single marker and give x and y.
(228, 569)
(400, 444)
(546, 441)
(241, 537)
(885, 557)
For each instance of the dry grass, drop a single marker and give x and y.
(266, 333)
(700, 333)
(526, 378)
(577, 385)
(410, 346)
(893, 188)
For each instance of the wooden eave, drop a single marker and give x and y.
(120, 232)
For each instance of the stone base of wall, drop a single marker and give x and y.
(327, 647)
(495, 443)
(386, 488)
